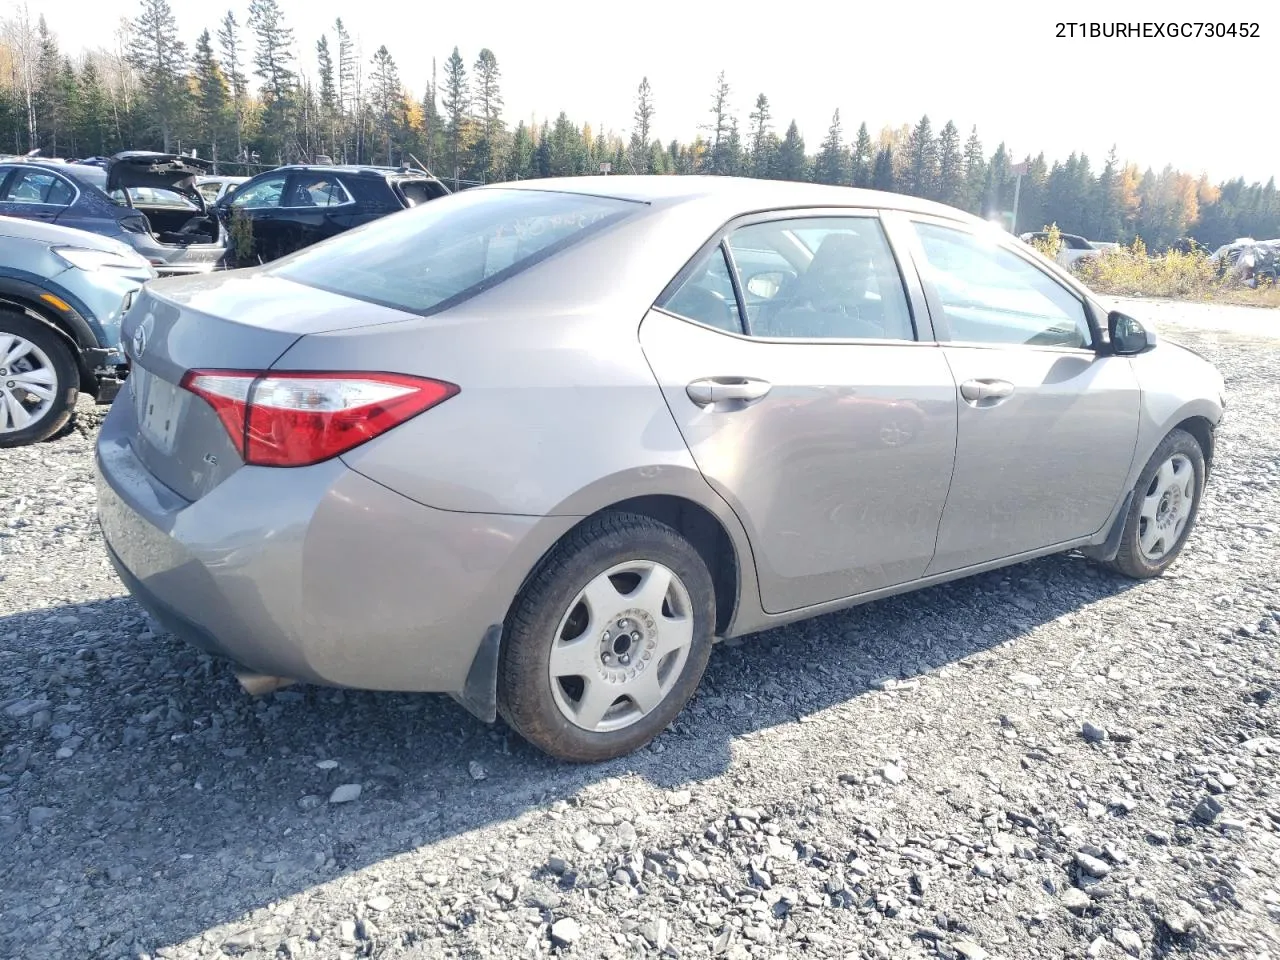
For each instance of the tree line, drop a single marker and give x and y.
(239, 96)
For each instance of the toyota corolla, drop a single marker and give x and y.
(539, 445)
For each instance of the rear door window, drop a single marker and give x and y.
(707, 295)
(39, 186)
(315, 190)
(436, 255)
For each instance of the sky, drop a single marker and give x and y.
(998, 65)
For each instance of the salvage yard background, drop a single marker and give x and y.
(1043, 762)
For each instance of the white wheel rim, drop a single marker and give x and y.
(28, 383)
(1166, 508)
(621, 646)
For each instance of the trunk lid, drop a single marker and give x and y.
(145, 168)
(238, 320)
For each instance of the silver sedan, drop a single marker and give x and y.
(539, 445)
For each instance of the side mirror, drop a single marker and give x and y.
(1128, 337)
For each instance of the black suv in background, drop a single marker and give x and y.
(293, 207)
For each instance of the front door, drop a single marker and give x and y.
(810, 404)
(259, 203)
(1047, 424)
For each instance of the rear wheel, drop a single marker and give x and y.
(38, 380)
(608, 641)
(1166, 502)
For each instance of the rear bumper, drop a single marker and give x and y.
(315, 573)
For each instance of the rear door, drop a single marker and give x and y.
(35, 193)
(315, 206)
(1047, 423)
(816, 403)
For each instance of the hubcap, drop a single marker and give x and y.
(621, 646)
(28, 383)
(1166, 508)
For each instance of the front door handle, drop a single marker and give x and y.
(711, 390)
(986, 392)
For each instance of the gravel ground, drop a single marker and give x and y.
(1037, 763)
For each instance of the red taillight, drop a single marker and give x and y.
(296, 418)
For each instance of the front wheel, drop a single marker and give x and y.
(1166, 502)
(38, 380)
(608, 641)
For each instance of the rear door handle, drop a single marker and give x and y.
(709, 390)
(990, 391)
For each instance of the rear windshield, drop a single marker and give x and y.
(433, 256)
(419, 191)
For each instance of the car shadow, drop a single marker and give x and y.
(187, 805)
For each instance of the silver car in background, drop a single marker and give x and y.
(63, 295)
(537, 445)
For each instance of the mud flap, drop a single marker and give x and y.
(1109, 548)
(479, 695)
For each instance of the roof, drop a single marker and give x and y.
(360, 169)
(749, 193)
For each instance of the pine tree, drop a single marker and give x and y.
(975, 173)
(791, 157)
(329, 111)
(643, 132)
(882, 177)
(346, 73)
(384, 93)
(433, 125)
(95, 114)
(716, 159)
(50, 101)
(732, 150)
(832, 164)
(567, 155)
(213, 102)
(1031, 198)
(229, 45)
(488, 104)
(273, 51)
(761, 158)
(273, 64)
(922, 161)
(950, 189)
(520, 160)
(863, 157)
(457, 101)
(69, 89)
(542, 153)
(1106, 225)
(161, 58)
(999, 193)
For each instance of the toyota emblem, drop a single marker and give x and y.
(139, 340)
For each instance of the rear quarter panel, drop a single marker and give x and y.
(559, 412)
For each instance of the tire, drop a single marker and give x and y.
(1160, 497)
(590, 606)
(46, 366)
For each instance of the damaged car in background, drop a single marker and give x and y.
(145, 199)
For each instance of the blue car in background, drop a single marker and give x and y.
(146, 199)
(63, 294)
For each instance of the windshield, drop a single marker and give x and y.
(433, 256)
